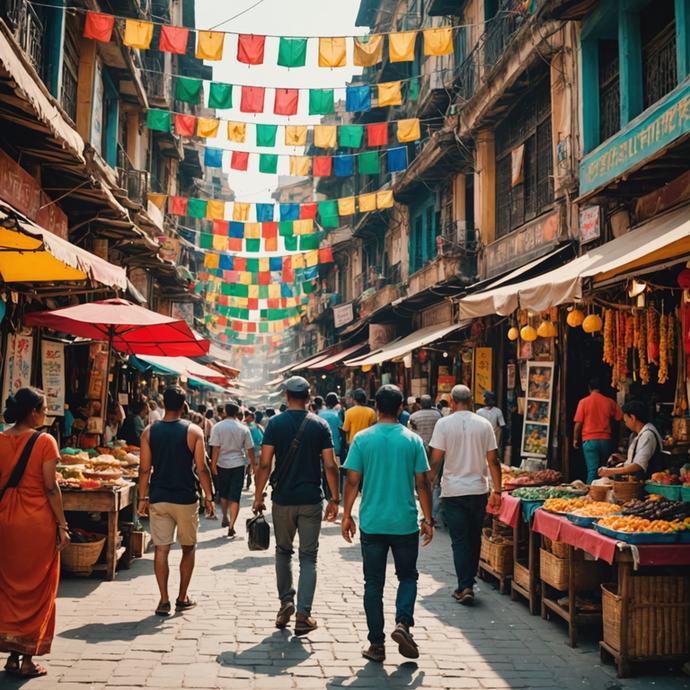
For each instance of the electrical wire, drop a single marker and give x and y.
(239, 14)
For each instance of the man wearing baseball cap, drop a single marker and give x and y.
(298, 439)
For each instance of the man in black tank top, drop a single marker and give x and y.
(173, 456)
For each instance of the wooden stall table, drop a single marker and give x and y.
(627, 558)
(106, 500)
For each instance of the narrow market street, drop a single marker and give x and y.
(108, 637)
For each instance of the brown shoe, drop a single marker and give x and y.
(374, 652)
(305, 625)
(406, 645)
(284, 615)
(465, 597)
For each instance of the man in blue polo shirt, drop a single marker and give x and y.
(390, 460)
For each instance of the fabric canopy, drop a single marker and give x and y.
(185, 367)
(339, 357)
(305, 363)
(32, 254)
(663, 238)
(400, 347)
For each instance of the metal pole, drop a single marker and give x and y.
(104, 392)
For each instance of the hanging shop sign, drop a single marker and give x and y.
(483, 373)
(590, 223)
(20, 190)
(342, 315)
(538, 413)
(183, 311)
(510, 377)
(53, 372)
(445, 384)
(535, 239)
(18, 359)
(380, 334)
(140, 279)
(170, 248)
(517, 156)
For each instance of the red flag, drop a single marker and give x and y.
(269, 229)
(253, 304)
(264, 277)
(223, 321)
(307, 211)
(240, 160)
(250, 327)
(377, 134)
(326, 255)
(250, 49)
(287, 263)
(99, 26)
(220, 227)
(235, 244)
(288, 276)
(286, 102)
(173, 39)
(223, 300)
(272, 304)
(185, 125)
(237, 326)
(179, 206)
(271, 244)
(252, 100)
(322, 166)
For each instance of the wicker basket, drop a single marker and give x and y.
(554, 571)
(626, 491)
(599, 493)
(560, 549)
(500, 529)
(80, 558)
(521, 574)
(497, 552)
(658, 616)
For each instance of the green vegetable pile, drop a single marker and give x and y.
(541, 493)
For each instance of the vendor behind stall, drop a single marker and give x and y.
(134, 424)
(645, 445)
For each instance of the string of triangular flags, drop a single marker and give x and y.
(366, 51)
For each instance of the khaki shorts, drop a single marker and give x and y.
(165, 517)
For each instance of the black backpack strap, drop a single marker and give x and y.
(20, 467)
(279, 475)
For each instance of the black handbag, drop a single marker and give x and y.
(20, 467)
(258, 533)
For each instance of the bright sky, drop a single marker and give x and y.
(300, 18)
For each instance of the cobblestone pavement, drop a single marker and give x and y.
(108, 637)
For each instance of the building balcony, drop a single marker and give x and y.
(28, 30)
(376, 289)
(135, 182)
(158, 83)
(442, 268)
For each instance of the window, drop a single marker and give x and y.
(609, 89)
(528, 124)
(658, 39)
(425, 226)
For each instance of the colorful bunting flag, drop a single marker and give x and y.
(99, 27)
(240, 212)
(215, 210)
(185, 125)
(344, 166)
(292, 52)
(325, 136)
(295, 135)
(220, 96)
(209, 45)
(289, 211)
(368, 163)
(332, 52)
(408, 130)
(178, 206)
(397, 159)
(268, 163)
(188, 90)
(138, 34)
(322, 166)
(389, 94)
(351, 136)
(358, 98)
(264, 213)
(367, 202)
(321, 102)
(252, 100)
(158, 200)
(240, 160)
(346, 206)
(250, 49)
(414, 86)
(308, 210)
(384, 199)
(401, 46)
(368, 51)
(160, 120)
(286, 102)
(207, 127)
(173, 39)
(299, 166)
(237, 131)
(196, 208)
(438, 41)
(377, 134)
(266, 135)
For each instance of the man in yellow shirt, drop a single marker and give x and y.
(358, 417)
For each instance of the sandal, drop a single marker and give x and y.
(33, 672)
(185, 605)
(225, 523)
(12, 666)
(163, 609)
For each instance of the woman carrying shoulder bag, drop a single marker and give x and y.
(33, 531)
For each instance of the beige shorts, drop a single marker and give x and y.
(165, 517)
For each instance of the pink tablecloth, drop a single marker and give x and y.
(558, 528)
(510, 510)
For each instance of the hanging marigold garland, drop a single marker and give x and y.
(609, 344)
(662, 376)
(641, 328)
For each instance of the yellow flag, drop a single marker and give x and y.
(325, 136)
(158, 200)
(209, 45)
(274, 291)
(212, 260)
(303, 227)
(207, 127)
(215, 210)
(253, 292)
(401, 46)
(240, 212)
(298, 261)
(299, 166)
(438, 41)
(312, 257)
(332, 52)
(245, 278)
(367, 202)
(384, 199)
(408, 130)
(264, 264)
(346, 206)
(389, 94)
(368, 52)
(252, 231)
(138, 34)
(241, 302)
(295, 135)
(220, 243)
(237, 131)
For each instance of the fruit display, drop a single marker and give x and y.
(564, 505)
(538, 478)
(92, 469)
(540, 493)
(632, 523)
(656, 508)
(508, 474)
(666, 477)
(596, 509)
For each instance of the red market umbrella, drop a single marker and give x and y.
(128, 327)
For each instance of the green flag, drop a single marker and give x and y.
(253, 245)
(263, 327)
(266, 135)
(368, 163)
(220, 96)
(241, 290)
(285, 228)
(351, 136)
(205, 241)
(253, 265)
(196, 208)
(414, 89)
(307, 287)
(291, 243)
(321, 102)
(268, 163)
(188, 90)
(328, 208)
(226, 289)
(308, 242)
(329, 221)
(263, 291)
(292, 52)
(159, 120)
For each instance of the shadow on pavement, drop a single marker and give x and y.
(274, 656)
(402, 677)
(94, 633)
(242, 565)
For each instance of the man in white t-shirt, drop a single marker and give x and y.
(231, 445)
(469, 445)
(494, 415)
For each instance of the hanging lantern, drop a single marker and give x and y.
(547, 330)
(592, 324)
(575, 318)
(528, 334)
(513, 333)
(366, 368)
(423, 354)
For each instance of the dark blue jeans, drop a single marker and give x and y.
(405, 550)
(465, 518)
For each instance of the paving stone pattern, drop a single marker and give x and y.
(108, 637)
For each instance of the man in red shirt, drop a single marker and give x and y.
(593, 428)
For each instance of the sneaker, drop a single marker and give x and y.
(305, 626)
(231, 533)
(465, 597)
(185, 605)
(374, 652)
(406, 645)
(284, 614)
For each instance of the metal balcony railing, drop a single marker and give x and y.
(136, 182)
(28, 30)
(502, 29)
(467, 74)
(158, 82)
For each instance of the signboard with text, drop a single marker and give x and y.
(53, 372)
(342, 315)
(590, 224)
(483, 373)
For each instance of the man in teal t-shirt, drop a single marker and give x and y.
(390, 461)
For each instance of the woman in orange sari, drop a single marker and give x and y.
(33, 531)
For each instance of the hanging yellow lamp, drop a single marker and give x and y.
(575, 318)
(513, 333)
(592, 324)
(547, 330)
(528, 334)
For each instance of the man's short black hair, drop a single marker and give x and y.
(140, 407)
(295, 395)
(252, 408)
(637, 409)
(389, 398)
(270, 412)
(231, 410)
(220, 409)
(201, 409)
(318, 401)
(360, 396)
(332, 399)
(594, 384)
(174, 398)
